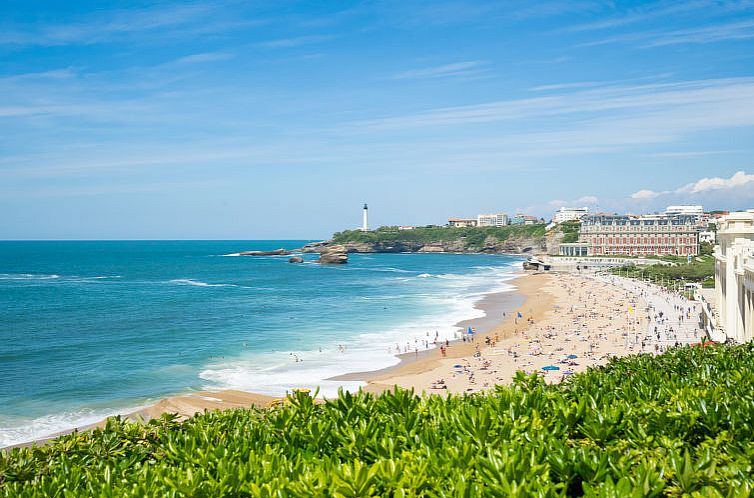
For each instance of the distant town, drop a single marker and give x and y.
(718, 247)
(678, 231)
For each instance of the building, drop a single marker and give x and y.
(578, 249)
(406, 227)
(734, 275)
(461, 222)
(569, 214)
(652, 235)
(365, 219)
(492, 220)
(523, 219)
(684, 210)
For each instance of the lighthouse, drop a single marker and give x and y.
(365, 219)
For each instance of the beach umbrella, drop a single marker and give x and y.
(457, 366)
(470, 331)
(550, 368)
(571, 356)
(567, 373)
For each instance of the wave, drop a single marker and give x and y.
(197, 283)
(27, 276)
(22, 431)
(442, 302)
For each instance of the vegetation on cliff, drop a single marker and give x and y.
(571, 230)
(473, 238)
(680, 424)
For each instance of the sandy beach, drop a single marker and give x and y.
(561, 316)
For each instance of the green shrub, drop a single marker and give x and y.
(680, 424)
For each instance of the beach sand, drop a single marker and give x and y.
(562, 315)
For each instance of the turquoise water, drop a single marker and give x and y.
(95, 328)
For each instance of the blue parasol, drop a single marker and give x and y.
(550, 368)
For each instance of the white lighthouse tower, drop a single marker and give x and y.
(365, 219)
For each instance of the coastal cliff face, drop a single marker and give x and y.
(493, 240)
(491, 246)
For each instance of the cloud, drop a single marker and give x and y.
(587, 200)
(700, 187)
(645, 13)
(294, 41)
(600, 120)
(645, 194)
(739, 179)
(456, 69)
(203, 57)
(737, 30)
(102, 26)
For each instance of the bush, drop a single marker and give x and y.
(680, 424)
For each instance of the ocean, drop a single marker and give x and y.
(91, 329)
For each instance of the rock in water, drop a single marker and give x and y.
(276, 252)
(296, 259)
(333, 255)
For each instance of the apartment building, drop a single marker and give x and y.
(492, 220)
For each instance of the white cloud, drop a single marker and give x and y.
(203, 57)
(703, 186)
(645, 194)
(294, 41)
(465, 68)
(739, 179)
(587, 200)
(737, 30)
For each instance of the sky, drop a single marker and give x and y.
(278, 119)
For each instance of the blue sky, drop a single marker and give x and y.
(278, 119)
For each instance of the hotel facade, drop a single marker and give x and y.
(734, 276)
(652, 235)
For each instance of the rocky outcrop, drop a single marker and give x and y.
(333, 255)
(276, 252)
(296, 259)
(314, 246)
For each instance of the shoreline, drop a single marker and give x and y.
(492, 304)
(569, 323)
(532, 301)
(187, 404)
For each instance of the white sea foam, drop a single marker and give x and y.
(451, 297)
(22, 431)
(27, 276)
(197, 283)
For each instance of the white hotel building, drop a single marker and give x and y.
(734, 275)
(492, 220)
(569, 214)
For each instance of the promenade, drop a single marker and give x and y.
(671, 318)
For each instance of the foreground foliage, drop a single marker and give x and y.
(681, 424)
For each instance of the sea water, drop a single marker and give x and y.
(91, 329)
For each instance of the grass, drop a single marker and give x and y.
(680, 424)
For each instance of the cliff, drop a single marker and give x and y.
(529, 239)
